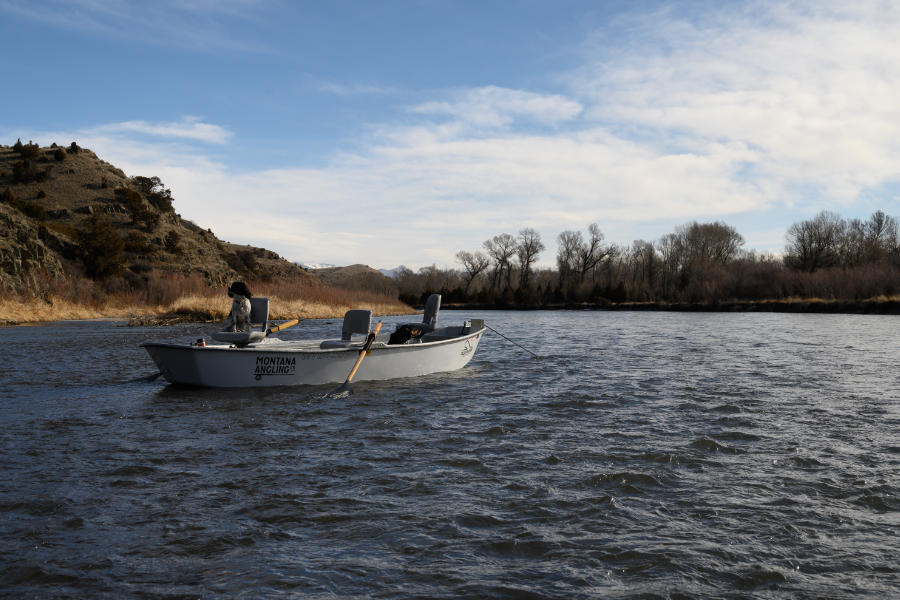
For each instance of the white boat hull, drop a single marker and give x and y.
(274, 362)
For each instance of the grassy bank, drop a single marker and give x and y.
(183, 301)
(188, 309)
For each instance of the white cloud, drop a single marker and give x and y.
(493, 106)
(421, 202)
(189, 128)
(811, 89)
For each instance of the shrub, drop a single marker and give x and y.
(156, 193)
(29, 151)
(141, 267)
(41, 194)
(138, 243)
(243, 261)
(101, 247)
(24, 171)
(142, 216)
(64, 229)
(59, 154)
(17, 147)
(171, 243)
(74, 148)
(29, 209)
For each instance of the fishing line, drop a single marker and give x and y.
(511, 341)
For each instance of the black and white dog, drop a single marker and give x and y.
(239, 319)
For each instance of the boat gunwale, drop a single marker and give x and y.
(285, 345)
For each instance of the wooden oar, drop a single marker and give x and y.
(344, 389)
(284, 325)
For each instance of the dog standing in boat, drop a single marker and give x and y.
(239, 319)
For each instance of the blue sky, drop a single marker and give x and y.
(391, 133)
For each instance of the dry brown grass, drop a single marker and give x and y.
(280, 308)
(814, 300)
(186, 298)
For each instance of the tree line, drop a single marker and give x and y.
(825, 257)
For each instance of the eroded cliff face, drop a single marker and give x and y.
(25, 256)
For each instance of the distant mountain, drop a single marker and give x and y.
(392, 273)
(67, 216)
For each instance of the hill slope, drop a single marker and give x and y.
(358, 277)
(67, 217)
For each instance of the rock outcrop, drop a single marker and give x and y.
(65, 214)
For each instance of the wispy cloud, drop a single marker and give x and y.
(197, 24)
(188, 128)
(352, 89)
(494, 106)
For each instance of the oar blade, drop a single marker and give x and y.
(342, 391)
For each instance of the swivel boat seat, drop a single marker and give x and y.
(355, 321)
(408, 332)
(259, 323)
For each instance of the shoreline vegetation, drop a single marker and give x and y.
(187, 299)
(830, 264)
(191, 309)
(207, 309)
(875, 306)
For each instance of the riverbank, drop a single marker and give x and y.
(200, 309)
(876, 306)
(188, 309)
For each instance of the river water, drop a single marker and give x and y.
(651, 455)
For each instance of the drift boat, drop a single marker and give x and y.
(254, 359)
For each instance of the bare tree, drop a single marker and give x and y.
(708, 243)
(568, 247)
(528, 250)
(668, 249)
(644, 265)
(882, 237)
(868, 242)
(592, 252)
(576, 257)
(501, 248)
(814, 244)
(474, 264)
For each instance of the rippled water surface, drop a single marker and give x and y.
(644, 455)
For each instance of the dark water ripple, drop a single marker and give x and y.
(646, 455)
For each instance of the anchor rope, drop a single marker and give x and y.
(511, 341)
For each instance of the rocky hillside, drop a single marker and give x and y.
(66, 215)
(359, 277)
